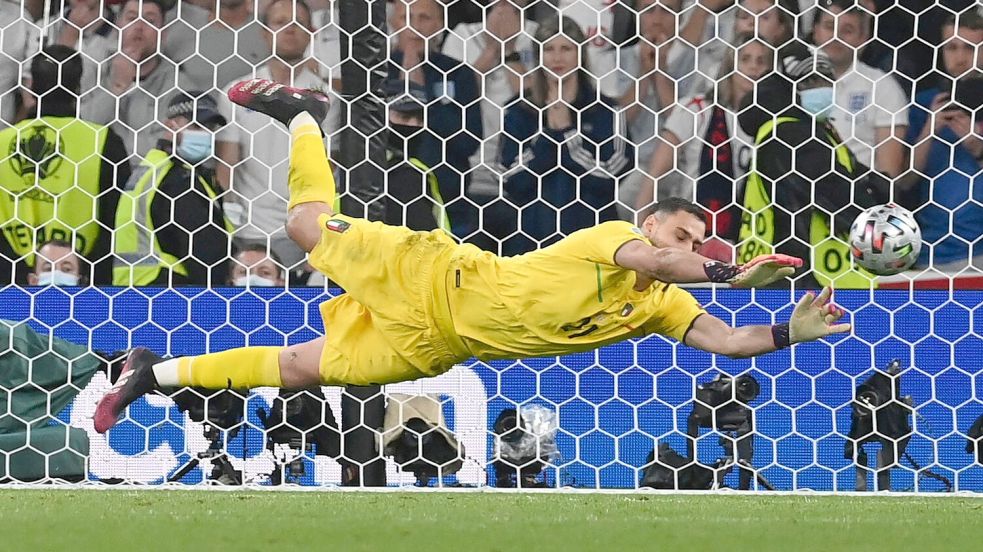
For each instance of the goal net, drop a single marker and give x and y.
(141, 208)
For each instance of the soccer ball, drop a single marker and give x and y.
(885, 239)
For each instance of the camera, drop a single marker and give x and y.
(299, 422)
(525, 444)
(221, 412)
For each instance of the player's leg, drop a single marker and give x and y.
(311, 183)
(293, 367)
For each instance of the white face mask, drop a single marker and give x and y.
(57, 278)
(253, 280)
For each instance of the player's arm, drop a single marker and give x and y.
(813, 318)
(677, 266)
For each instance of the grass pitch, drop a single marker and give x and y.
(123, 520)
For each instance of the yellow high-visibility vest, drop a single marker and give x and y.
(831, 260)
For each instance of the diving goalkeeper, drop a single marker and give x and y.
(417, 303)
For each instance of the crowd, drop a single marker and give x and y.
(511, 124)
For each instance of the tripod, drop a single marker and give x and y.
(223, 472)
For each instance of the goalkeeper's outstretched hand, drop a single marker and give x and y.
(765, 269)
(815, 317)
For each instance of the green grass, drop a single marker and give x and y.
(119, 520)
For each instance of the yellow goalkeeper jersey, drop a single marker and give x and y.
(565, 298)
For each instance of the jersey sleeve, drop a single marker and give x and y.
(601, 242)
(676, 313)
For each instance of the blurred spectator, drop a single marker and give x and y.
(170, 226)
(561, 151)
(961, 55)
(716, 26)
(454, 126)
(702, 150)
(500, 49)
(56, 264)
(230, 44)
(412, 191)
(83, 27)
(326, 44)
(652, 84)
(871, 111)
(800, 163)
(253, 151)
(255, 266)
(19, 42)
(950, 157)
(137, 82)
(63, 176)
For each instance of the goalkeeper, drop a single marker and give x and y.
(417, 303)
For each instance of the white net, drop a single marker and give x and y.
(510, 123)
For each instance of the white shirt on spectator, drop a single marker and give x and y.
(689, 121)
(326, 44)
(259, 180)
(867, 99)
(20, 41)
(595, 18)
(465, 43)
(210, 53)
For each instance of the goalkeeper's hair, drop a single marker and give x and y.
(674, 205)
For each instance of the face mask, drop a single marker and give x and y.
(817, 101)
(57, 278)
(253, 280)
(195, 146)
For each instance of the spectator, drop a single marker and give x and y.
(652, 84)
(83, 27)
(454, 126)
(800, 163)
(56, 264)
(961, 53)
(255, 266)
(717, 28)
(170, 226)
(230, 44)
(72, 168)
(326, 45)
(137, 82)
(871, 111)
(951, 199)
(19, 43)
(561, 149)
(412, 191)
(500, 49)
(702, 150)
(254, 153)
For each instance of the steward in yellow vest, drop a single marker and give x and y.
(412, 192)
(170, 226)
(804, 187)
(59, 175)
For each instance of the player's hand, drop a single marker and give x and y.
(765, 269)
(815, 317)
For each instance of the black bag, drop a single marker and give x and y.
(663, 473)
(421, 450)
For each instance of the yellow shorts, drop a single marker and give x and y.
(393, 323)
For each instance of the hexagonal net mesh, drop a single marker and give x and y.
(142, 208)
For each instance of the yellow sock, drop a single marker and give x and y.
(242, 368)
(310, 177)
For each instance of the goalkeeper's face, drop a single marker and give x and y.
(679, 230)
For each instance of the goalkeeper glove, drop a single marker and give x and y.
(760, 271)
(815, 317)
